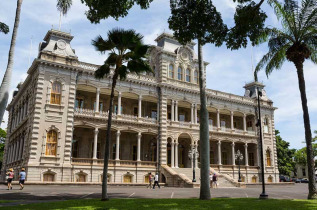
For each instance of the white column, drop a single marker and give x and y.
(118, 145)
(196, 160)
(140, 106)
(95, 143)
(172, 154)
(192, 113)
(244, 122)
(172, 110)
(233, 154)
(232, 126)
(195, 113)
(218, 119)
(176, 111)
(176, 155)
(219, 152)
(97, 100)
(246, 154)
(119, 103)
(139, 147)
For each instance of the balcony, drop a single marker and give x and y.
(87, 113)
(100, 162)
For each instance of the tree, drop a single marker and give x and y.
(3, 135)
(4, 28)
(199, 20)
(284, 155)
(300, 155)
(63, 6)
(6, 82)
(127, 54)
(295, 42)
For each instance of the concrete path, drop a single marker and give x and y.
(46, 193)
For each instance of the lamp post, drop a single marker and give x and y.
(263, 195)
(239, 157)
(193, 154)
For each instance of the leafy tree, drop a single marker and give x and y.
(301, 154)
(63, 6)
(199, 20)
(284, 155)
(4, 28)
(3, 135)
(295, 42)
(127, 54)
(5, 85)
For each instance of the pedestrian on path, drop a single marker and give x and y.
(214, 180)
(210, 177)
(156, 181)
(22, 176)
(10, 175)
(150, 181)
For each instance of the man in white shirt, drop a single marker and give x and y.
(156, 181)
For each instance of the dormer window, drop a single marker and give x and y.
(56, 93)
(188, 75)
(180, 73)
(171, 71)
(196, 77)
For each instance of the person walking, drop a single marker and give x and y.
(22, 176)
(10, 175)
(150, 181)
(156, 181)
(214, 180)
(210, 177)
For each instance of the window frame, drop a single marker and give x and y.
(56, 93)
(51, 144)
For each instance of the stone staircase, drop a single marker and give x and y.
(182, 177)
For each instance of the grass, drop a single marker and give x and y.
(183, 204)
(6, 201)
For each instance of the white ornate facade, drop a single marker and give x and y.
(57, 120)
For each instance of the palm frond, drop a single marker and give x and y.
(112, 59)
(124, 39)
(123, 71)
(138, 66)
(103, 70)
(276, 60)
(307, 12)
(64, 5)
(102, 45)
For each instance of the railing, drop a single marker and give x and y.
(229, 96)
(129, 163)
(122, 117)
(82, 161)
(238, 131)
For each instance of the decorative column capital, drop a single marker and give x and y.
(96, 131)
(219, 143)
(231, 112)
(246, 145)
(176, 102)
(218, 111)
(118, 133)
(176, 143)
(119, 94)
(139, 135)
(98, 90)
(232, 144)
(140, 97)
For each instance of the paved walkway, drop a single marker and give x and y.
(45, 193)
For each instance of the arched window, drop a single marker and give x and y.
(56, 93)
(188, 75)
(196, 76)
(51, 143)
(171, 71)
(268, 158)
(180, 73)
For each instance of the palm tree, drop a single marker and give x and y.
(296, 42)
(63, 6)
(4, 28)
(127, 54)
(6, 82)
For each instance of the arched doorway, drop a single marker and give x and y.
(184, 146)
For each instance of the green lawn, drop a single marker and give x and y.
(183, 204)
(6, 201)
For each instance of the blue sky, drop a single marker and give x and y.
(228, 70)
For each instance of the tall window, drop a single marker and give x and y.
(249, 126)
(223, 125)
(56, 93)
(187, 75)
(266, 125)
(180, 73)
(268, 158)
(196, 76)
(171, 71)
(114, 151)
(251, 159)
(51, 143)
(224, 158)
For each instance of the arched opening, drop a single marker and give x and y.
(169, 155)
(184, 147)
(163, 180)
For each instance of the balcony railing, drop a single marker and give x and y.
(123, 117)
(100, 162)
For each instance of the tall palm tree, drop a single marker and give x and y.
(127, 54)
(295, 42)
(4, 28)
(63, 6)
(6, 82)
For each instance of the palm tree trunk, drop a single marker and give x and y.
(312, 193)
(6, 82)
(204, 131)
(104, 195)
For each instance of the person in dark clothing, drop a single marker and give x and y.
(156, 181)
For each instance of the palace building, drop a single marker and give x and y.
(58, 118)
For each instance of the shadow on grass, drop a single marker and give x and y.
(183, 204)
